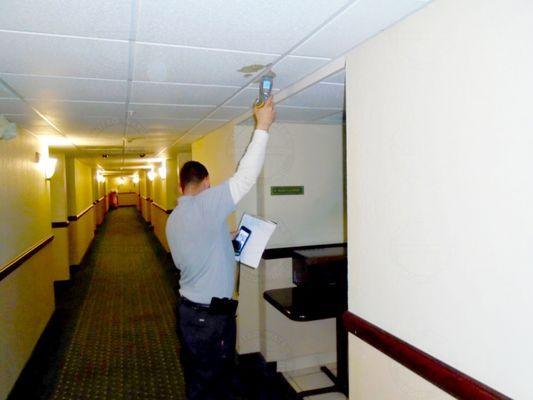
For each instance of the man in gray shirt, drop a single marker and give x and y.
(201, 248)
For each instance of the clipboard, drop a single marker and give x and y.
(261, 231)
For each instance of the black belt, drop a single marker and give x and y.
(218, 306)
(195, 306)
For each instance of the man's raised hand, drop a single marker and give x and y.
(265, 115)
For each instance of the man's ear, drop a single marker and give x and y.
(207, 183)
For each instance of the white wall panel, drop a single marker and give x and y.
(439, 131)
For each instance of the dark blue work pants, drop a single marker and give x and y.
(207, 352)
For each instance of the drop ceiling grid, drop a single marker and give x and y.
(73, 84)
(276, 25)
(66, 32)
(178, 68)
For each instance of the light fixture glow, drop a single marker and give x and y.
(163, 171)
(99, 177)
(49, 167)
(151, 175)
(135, 179)
(121, 180)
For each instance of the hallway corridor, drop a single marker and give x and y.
(114, 327)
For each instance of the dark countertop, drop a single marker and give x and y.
(322, 255)
(307, 304)
(288, 252)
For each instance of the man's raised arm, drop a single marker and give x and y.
(252, 162)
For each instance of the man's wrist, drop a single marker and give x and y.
(262, 127)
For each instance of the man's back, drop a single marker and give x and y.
(200, 244)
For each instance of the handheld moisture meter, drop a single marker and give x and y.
(265, 90)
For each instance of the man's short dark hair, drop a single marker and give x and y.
(192, 172)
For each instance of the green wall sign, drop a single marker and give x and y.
(286, 190)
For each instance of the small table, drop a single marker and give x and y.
(311, 303)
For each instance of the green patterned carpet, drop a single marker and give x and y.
(118, 341)
(112, 334)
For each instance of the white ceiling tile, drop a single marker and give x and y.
(291, 69)
(186, 141)
(94, 127)
(362, 20)
(97, 144)
(319, 95)
(62, 110)
(339, 77)
(150, 145)
(164, 126)
(50, 55)
(272, 26)
(169, 111)
(4, 92)
(166, 93)
(336, 118)
(248, 122)
(29, 121)
(105, 128)
(207, 125)
(53, 88)
(13, 106)
(184, 65)
(294, 114)
(227, 113)
(95, 18)
(32, 122)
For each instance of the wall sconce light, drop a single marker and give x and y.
(121, 180)
(99, 177)
(46, 164)
(151, 175)
(135, 179)
(163, 171)
(49, 166)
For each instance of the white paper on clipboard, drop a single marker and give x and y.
(262, 230)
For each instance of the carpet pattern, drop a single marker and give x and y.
(123, 343)
(112, 333)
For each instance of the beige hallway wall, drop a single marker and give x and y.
(80, 208)
(439, 194)
(26, 294)
(297, 154)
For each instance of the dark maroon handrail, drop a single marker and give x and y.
(449, 379)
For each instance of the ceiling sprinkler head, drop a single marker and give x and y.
(142, 155)
(105, 155)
